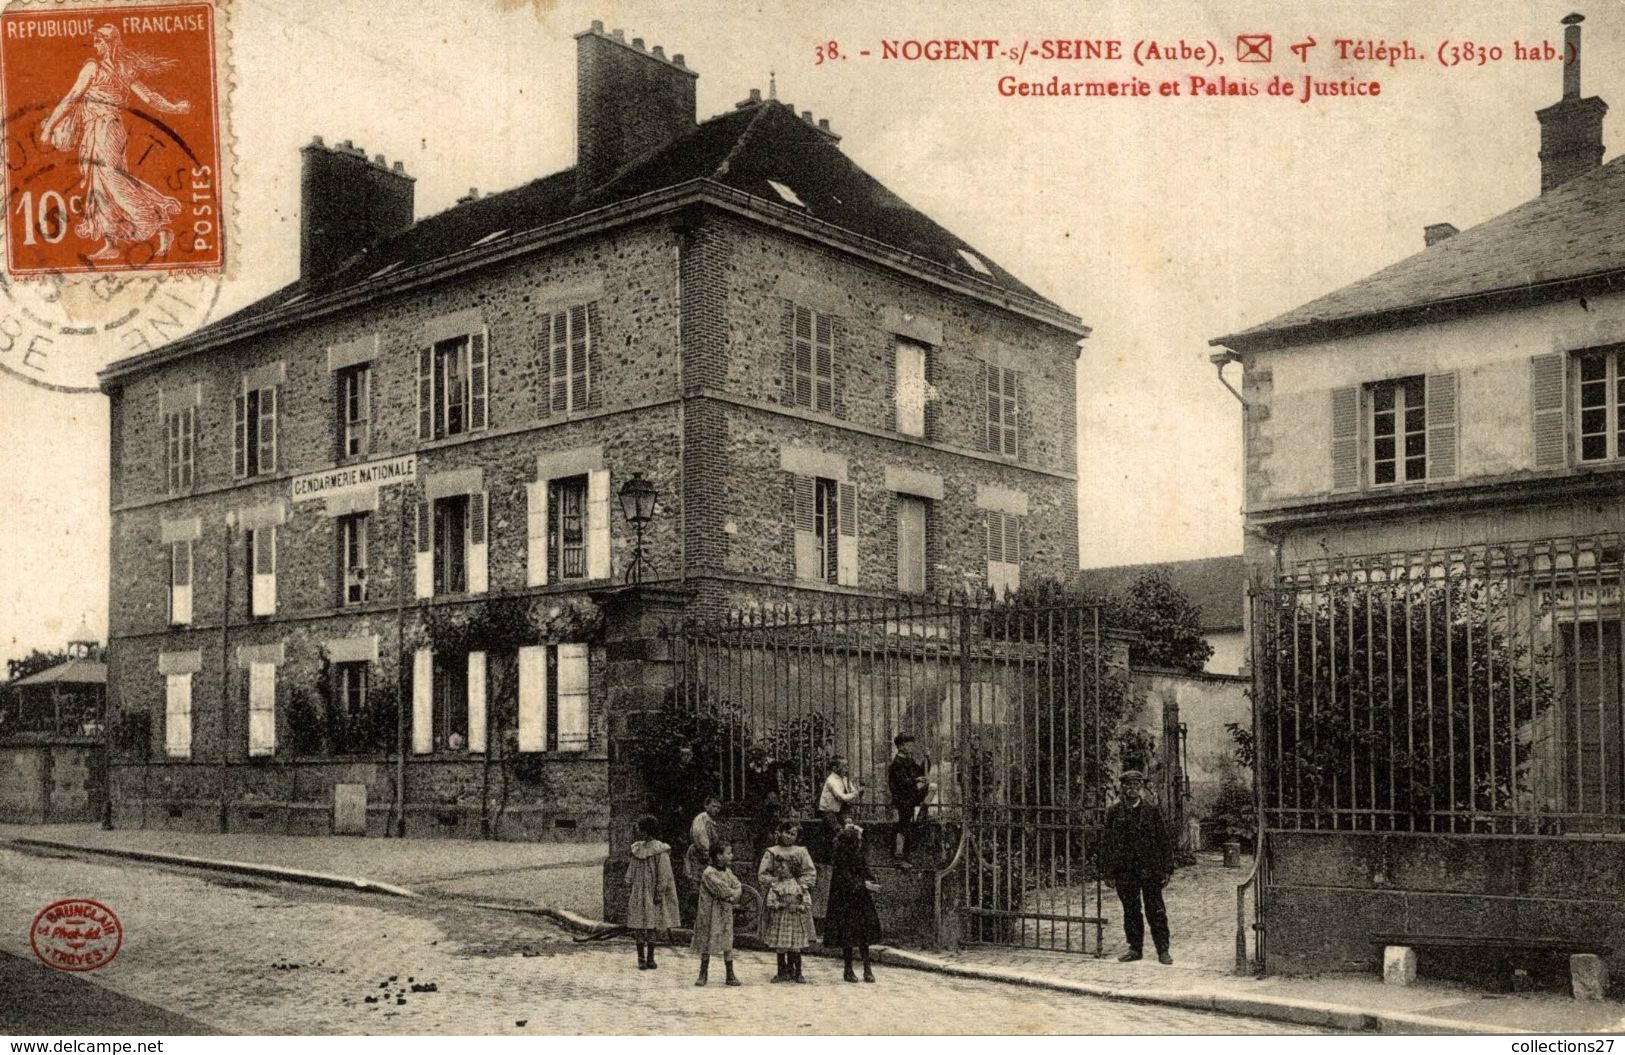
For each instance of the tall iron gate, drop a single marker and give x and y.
(1468, 690)
(1010, 703)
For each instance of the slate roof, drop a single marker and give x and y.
(1215, 585)
(1574, 231)
(73, 672)
(740, 150)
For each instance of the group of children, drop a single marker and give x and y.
(787, 876)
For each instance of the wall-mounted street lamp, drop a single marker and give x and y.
(638, 506)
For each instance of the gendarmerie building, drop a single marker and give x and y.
(325, 505)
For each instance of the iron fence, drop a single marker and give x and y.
(1474, 689)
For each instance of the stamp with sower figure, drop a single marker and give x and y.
(112, 139)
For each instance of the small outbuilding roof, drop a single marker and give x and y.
(73, 672)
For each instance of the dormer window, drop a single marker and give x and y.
(786, 193)
(976, 263)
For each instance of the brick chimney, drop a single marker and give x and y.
(1571, 128)
(629, 102)
(346, 204)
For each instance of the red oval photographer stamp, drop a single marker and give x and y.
(112, 139)
(76, 934)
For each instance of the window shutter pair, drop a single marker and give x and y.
(261, 709)
(1349, 431)
(803, 516)
(538, 554)
(1002, 536)
(262, 589)
(423, 701)
(256, 432)
(811, 359)
(475, 377)
(571, 694)
(180, 429)
(180, 583)
(479, 561)
(570, 342)
(178, 715)
(1001, 393)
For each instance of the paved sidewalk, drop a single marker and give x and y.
(1201, 900)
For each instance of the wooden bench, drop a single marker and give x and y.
(1505, 948)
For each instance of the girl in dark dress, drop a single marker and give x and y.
(851, 920)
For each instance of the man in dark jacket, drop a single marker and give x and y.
(906, 779)
(1138, 859)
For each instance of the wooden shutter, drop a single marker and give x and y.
(536, 533)
(424, 577)
(990, 401)
(422, 701)
(1442, 425)
(479, 379)
(263, 587)
(559, 364)
(261, 709)
(479, 560)
(1012, 551)
(578, 357)
(476, 702)
(533, 693)
(846, 546)
(1345, 414)
(188, 445)
(823, 363)
(803, 355)
(911, 517)
(239, 432)
(910, 384)
(178, 715)
(180, 582)
(594, 363)
(1549, 404)
(803, 499)
(267, 430)
(573, 698)
(1016, 410)
(598, 556)
(426, 392)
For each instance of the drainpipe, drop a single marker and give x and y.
(225, 670)
(1222, 360)
(401, 701)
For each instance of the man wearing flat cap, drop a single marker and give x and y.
(1138, 858)
(906, 778)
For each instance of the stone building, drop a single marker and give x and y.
(1433, 459)
(366, 540)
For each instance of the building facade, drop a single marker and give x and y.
(1433, 531)
(366, 535)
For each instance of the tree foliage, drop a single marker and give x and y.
(34, 662)
(1168, 624)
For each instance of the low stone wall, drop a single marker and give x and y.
(52, 780)
(1329, 892)
(566, 801)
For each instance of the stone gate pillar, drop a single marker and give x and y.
(641, 669)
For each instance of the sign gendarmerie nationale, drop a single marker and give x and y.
(330, 482)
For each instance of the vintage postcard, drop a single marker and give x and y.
(544, 517)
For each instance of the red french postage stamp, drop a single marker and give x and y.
(76, 934)
(112, 139)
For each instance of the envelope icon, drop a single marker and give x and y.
(1254, 47)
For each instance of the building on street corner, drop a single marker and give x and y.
(368, 547)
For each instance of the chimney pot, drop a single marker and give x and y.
(597, 25)
(619, 34)
(316, 141)
(755, 96)
(659, 51)
(823, 123)
(1434, 233)
(637, 42)
(806, 115)
(378, 159)
(678, 58)
(344, 145)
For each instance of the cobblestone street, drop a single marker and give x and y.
(248, 956)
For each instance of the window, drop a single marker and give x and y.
(912, 389)
(353, 557)
(453, 387)
(180, 445)
(1600, 399)
(825, 521)
(813, 355)
(783, 190)
(452, 553)
(554, 695)
(355, 410)
(567, 528)
(570, 377)
(261, 709)
(180, 583)
(261, 544)
(178, 715)
(255, 420)
(451, 706)
(448, 702)
(1593, 757)
(450, 545)
(1003, 532)
(1399, 431)
(350, 683)
(1002, 386)
(911, 546)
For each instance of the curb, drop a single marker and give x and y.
(290, 875)
(1279, 1009)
